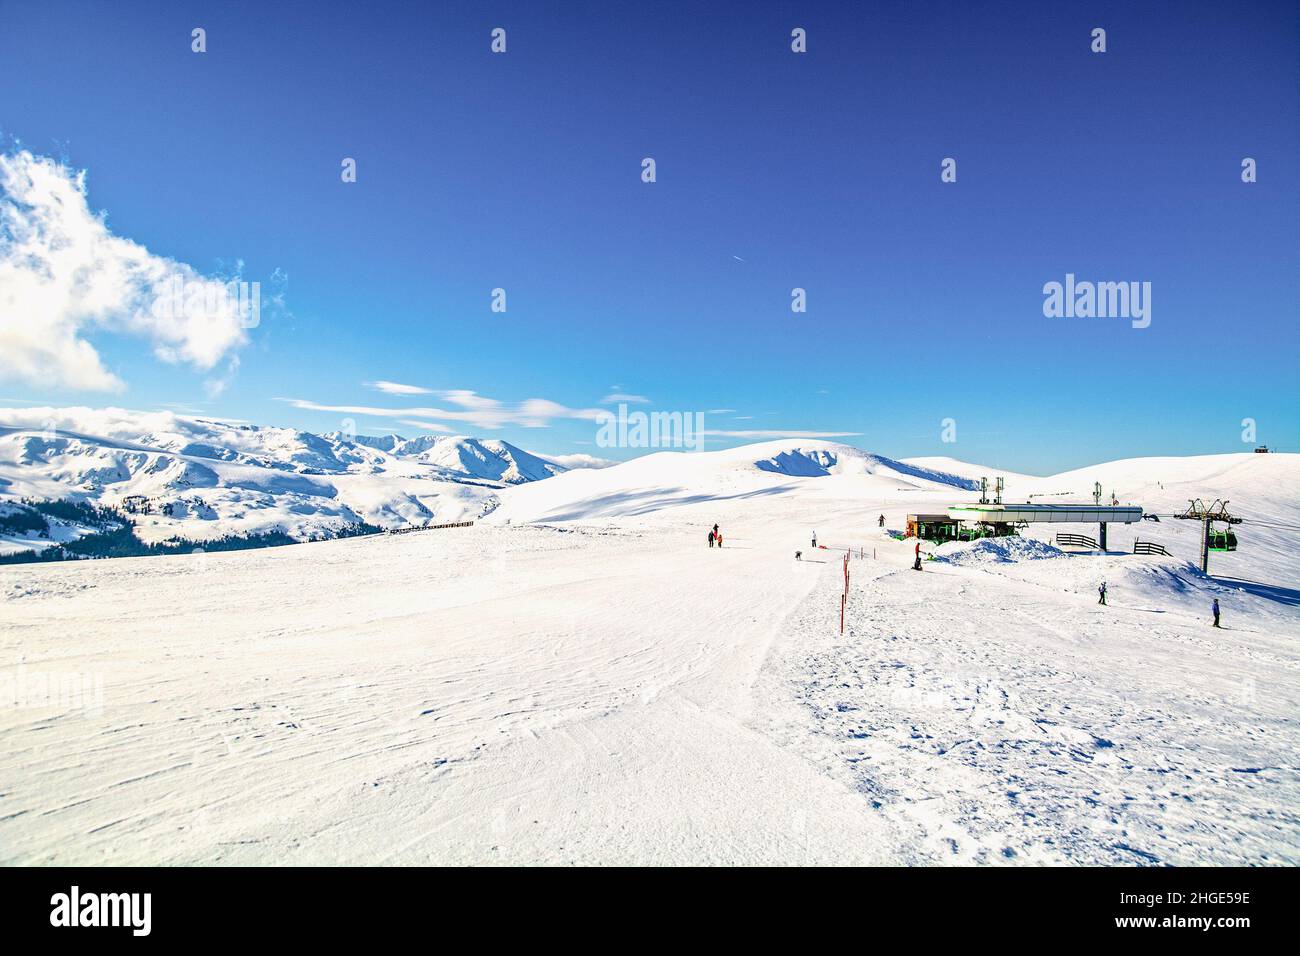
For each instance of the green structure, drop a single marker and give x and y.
(938, 528)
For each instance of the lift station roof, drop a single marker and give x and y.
(1076, 514)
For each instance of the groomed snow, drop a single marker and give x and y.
(582, 680)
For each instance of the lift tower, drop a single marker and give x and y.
(1197, 510)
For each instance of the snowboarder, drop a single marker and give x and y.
(711, 535)
(814, 539)
(882, 521)
(1215, 609)
(1102, 592)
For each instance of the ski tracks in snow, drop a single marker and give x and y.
(988, 720)
(619, 695)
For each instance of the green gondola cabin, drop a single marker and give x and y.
(1223, 540)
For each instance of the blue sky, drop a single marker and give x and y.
(774, 170)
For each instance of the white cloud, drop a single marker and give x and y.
(397, 388)
(63, 274)
(216, 386)
(119, 423)
(428, 426)
(618, 397)
(474, 409)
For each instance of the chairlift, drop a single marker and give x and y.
(1223, 540)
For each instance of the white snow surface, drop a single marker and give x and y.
(580, 679)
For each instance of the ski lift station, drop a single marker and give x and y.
(1004, 517)
(996, 518)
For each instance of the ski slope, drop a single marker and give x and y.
(580, 679)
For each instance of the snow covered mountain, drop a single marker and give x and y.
(669, 479)
(486, 459)
(817, 458)
(817, 477)
(203, 479)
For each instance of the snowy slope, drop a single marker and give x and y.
(603, 687)
(618, 692)
(965, 469)
(674, 485)
(1259, 488)
(669, 479)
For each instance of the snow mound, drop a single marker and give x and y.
(996, 551)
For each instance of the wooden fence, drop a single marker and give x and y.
(1150, 547)
(430, 527)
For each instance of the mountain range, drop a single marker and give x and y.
(204, 478)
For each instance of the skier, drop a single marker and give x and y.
(719, 539)
(1215, 609)
(1102, 592)
(798, 555)
(814, 539)
(711, 534)
(882, 521)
